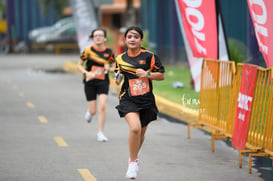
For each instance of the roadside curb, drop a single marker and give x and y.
(165, 106)
(71, 67)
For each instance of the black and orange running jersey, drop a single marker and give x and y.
(128, 65)
(95, 57)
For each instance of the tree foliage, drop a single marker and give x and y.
(237, 50)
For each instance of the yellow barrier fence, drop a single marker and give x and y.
(216, 88)
(220, 86)
(259, 134)
(268, 147)
(233, 101)
(269, 125)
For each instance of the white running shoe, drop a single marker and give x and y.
(101, 137)
(137, 160)
(88, 116)
(132, 170)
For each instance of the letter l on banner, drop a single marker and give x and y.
(244, 105)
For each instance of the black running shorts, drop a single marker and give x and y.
(146, 114)
(92, 90)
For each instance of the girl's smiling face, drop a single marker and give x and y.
(133, 39)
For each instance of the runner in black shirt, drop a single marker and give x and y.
(99, 60)
(137, 105)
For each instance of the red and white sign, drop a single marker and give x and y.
(199, 20)
(244, 104)
(262, 17)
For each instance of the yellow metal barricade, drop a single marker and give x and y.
(230, 106)
(261, 108)
(220, 86)
(216, 87)
(233, 101)
(259, 132)
(209, 93)
(256, 131)
(269, 125)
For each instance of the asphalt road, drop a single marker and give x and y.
(44, 137)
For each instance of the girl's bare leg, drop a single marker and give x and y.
(92, 107)
(102, 111)
(134, 139)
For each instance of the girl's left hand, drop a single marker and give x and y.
(141, 73)
(112, 69)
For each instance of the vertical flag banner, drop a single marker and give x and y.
(244, 105)
(198, 21)
(194, 62)
(85, 21)
(261, 12)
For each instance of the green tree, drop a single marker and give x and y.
(237, 50)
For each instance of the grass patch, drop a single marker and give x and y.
(185, 96)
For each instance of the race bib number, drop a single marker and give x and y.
(139, 86)
(99, 72)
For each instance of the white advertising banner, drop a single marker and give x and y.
(85, 21)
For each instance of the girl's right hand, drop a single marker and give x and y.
(90, 76)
